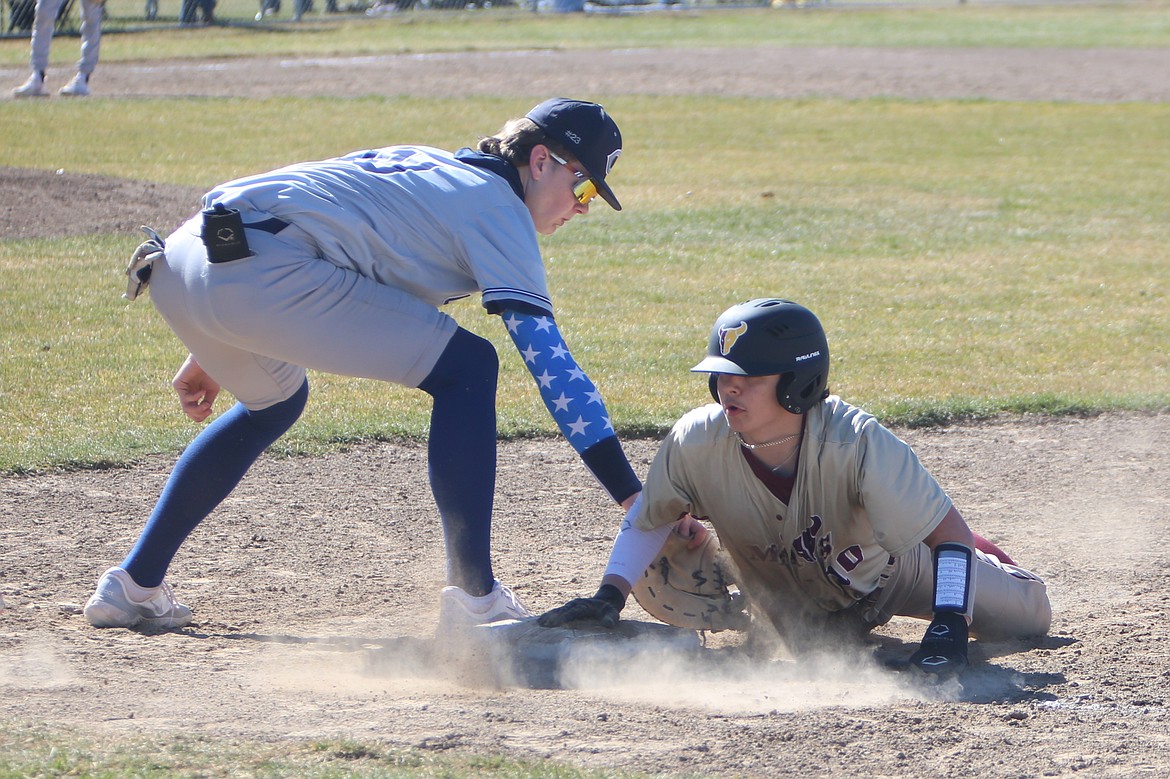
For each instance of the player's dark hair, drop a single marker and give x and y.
(515, 140)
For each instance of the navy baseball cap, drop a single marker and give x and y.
(586, 131)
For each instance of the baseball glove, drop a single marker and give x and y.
(142, 262)
(689, 588)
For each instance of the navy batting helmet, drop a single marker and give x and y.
(769, 336)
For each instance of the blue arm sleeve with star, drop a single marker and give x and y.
(572, 399)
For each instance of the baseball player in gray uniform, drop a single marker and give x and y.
(830, 519)
(342, 266)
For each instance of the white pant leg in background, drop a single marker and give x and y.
(45, 20)
(42, 34)
(91, 35)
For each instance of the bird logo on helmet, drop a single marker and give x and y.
(767, 336)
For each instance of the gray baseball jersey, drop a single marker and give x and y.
(410, 217)
(860, 499)
(851, 531)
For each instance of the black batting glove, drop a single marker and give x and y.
(944, 647)
(602, 609)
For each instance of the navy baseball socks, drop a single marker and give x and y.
(461, 463)
(210, 468)
(461, 455)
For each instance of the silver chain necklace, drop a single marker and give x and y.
(777, 442)
(779, 468)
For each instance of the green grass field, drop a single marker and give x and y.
(28, 750)
(967, 258)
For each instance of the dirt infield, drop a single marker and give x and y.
(1083, 75)
(315, 585)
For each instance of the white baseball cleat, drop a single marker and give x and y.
(460, 611)
(34, 87)
(120, 603)
(78, 87)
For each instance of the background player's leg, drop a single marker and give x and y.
(44, 19)
(207, 472)
(462, 455)
(91, 36)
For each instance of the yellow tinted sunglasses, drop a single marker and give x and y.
(584, 190)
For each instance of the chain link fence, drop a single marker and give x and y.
(16, 16)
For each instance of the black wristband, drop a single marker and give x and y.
(952, 578)
(608, 462)
(611, 595)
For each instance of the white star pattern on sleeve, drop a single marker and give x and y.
(568, 394)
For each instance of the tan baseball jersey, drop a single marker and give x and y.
(860, 499)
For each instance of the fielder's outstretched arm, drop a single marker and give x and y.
(572, 399)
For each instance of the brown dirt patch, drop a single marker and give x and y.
(1084, 75)
(315, 590)
(46, 204)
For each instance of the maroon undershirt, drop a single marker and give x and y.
(780, 486)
